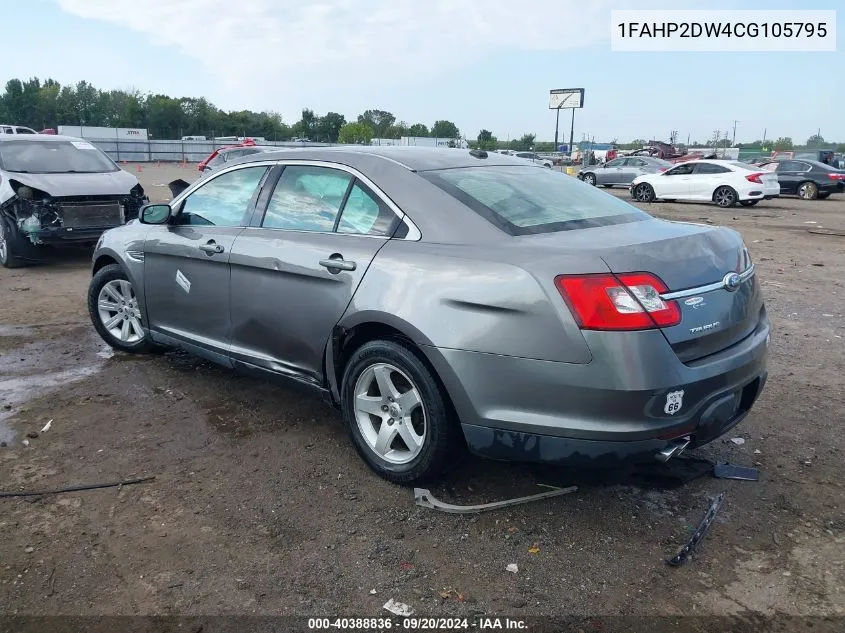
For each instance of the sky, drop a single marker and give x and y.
(480, 63)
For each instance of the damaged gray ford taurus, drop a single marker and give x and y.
(443, 299)
(59, 190)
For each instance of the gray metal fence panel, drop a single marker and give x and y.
(124, 150)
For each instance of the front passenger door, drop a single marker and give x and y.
(186, 263)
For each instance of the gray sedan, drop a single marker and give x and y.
(445, 299)
(623, 171)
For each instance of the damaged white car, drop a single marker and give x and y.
(58, 190)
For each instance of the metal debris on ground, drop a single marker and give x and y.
(729, 471)
(701, 531)
(47, 426)
(425, 499)
(738, 441)
(512, 568)
(821, 231)
(33, 493)
(398, 608)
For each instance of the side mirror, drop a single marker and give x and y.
(155, 214)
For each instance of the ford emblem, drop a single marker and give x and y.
(731, 281)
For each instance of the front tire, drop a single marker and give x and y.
(590, 179)
(113, 307)
(725, 197)
(12, 245)
(397, 414)
(644, 192)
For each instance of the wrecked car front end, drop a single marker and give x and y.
(47, 217)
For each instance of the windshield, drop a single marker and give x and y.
(54, 157)
(529, 200)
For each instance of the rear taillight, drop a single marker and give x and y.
(755, 178)
(833, 176)
(618, 302)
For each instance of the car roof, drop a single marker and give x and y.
(30, 138)
(411, 158)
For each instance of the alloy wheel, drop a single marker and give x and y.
(590, 179)
(643, 193)
(724, 197)
(4, 247)
(808, 191)
(118, 310)
(390, 413)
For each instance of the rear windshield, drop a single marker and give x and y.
(54, 157)
(528, 200)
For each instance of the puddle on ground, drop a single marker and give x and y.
(44, 365)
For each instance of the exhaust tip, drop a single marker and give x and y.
(673, 449)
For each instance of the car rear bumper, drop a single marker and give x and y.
(602, 412)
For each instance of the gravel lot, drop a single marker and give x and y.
(260, 505)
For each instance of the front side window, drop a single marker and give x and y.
(54, 157)
(526, 200)
(222, 201)
(616, 162)
(307, 199)
(681, 170)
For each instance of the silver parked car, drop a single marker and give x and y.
(623, 171)
(448, 298)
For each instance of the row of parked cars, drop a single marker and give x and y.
(723, 182)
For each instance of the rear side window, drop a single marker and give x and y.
(526, 200)
(307, 199)
(711, 168)
(365, 214)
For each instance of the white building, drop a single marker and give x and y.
(122, 133)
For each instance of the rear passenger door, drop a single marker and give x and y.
(295, 270)
(790, 174)
(707, 177)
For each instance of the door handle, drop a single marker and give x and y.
(212, 247)
(336, 263)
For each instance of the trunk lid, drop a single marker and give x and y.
(693, 261)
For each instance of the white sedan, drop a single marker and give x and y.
(723, 182)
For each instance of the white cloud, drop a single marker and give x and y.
(278, 51)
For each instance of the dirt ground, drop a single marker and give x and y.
(260, 505)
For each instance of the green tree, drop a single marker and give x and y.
(445, 129)
(525, 143)
(327, 127)
(418, 129)
(379, 121)
(359, 133)
(783, 143)
(486, 140)
(815, 141)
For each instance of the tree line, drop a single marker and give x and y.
(48, 104)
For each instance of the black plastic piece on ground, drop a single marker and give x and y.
(729, 471)
(681, 557)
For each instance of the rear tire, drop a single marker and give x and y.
(725, 197)
(644, 192)
(12, 245)
(748, 203)
(387, 395)
(113, 307)
(808, 190)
